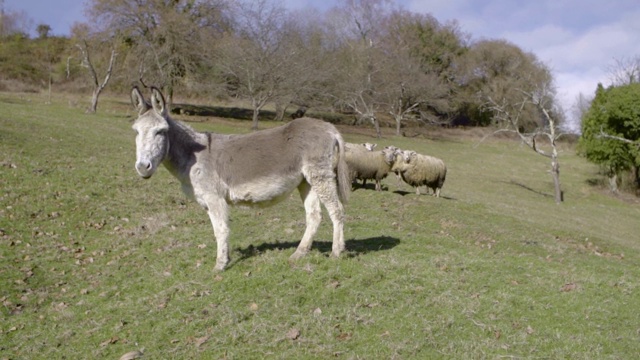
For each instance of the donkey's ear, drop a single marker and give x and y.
(158, 102)
(138, 101)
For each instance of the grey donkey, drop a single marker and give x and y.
(256, 169)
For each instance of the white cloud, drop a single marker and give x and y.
(577, 39)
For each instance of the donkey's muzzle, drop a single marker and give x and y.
(145, 169)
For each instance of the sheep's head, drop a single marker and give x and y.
(369, 146)
(389, 156)
(409, 156)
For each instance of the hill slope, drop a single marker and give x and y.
(96, 262)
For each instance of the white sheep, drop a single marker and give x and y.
(356, 147)
(374, 165)
(349, 147)
(369, 146)
(399, 157)
(418, 170)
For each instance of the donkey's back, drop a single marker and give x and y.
(267, 164)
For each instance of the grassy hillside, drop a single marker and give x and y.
(96, 262)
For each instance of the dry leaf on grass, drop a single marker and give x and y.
(334, 284)
(200, 341)
(110, 341)
(131, 355)
(293, 334)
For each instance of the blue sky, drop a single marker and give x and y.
(577, 39)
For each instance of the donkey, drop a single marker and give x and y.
(257, 169)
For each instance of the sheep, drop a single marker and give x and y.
(374, 165)
(399, 157)
(417, 170)
(356, 147)
(369, 146)
(350, 147)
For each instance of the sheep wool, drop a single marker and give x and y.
(422, 170)
(369, 165)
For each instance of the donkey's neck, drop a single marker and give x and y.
(184, 143)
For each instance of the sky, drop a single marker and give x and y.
(578, 39)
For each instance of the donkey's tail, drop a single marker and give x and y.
(342, 172)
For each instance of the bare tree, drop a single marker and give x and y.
(267, 58)
(510, 115)
(353, 82)
(81, 34)
(98, 86)
(165, 37)
(14, 22)
(579, 108)
(354, 28)
(625, 71)
(496, 69)
(409, 84)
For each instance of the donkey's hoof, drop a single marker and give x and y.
(220, 266)
(336, 254)
(297, 255)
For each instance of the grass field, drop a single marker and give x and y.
(96, 262)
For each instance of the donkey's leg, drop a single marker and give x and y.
(327, 191)
(313, 218)
(219, 215)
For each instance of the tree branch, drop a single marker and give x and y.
(619, 138)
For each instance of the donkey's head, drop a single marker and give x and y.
(152, 128)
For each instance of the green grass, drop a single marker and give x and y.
(96, 262)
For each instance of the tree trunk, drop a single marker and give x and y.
(398, 124)
(555, 172)
(94, 100)
(636, 179)
(97, 89)
(613, 182)
(169, 95)
(280, 109)
(376, 124)
(254, 118)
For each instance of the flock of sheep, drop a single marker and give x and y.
(414, 169)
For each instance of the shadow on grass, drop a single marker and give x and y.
(354, 247)
(370, 186)
(596, 182)
(405, 193)
(528, 188)
(359, 186)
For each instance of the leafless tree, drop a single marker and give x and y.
(268, 58)
(354, 30)
(98, 86)
(408, 83)
(14, 22)
(510, 114)
(624, 71)
(578, 110)
(83, 40)
(167, 39)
